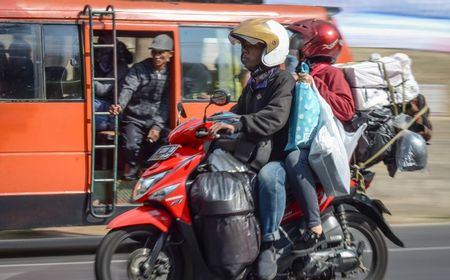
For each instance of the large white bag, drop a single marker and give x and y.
(409, 89)
(380, 81)
(328, 155)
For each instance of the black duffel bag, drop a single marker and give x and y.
(223, 206)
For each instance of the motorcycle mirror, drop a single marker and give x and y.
(181, 112)
(220, 97)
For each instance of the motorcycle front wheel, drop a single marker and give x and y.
(374, 258)
(124, 254)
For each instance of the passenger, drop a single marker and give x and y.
(104, 90)
(264, 107)
(144, 101)
(20, 74)
(317, 43)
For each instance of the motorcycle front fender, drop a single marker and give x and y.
(143, 215)
(374, 210)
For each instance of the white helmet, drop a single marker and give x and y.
(269, 32)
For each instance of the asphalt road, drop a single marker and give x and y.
(426, 256)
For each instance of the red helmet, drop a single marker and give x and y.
(315, 37)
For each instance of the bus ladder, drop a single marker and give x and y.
(106, 210)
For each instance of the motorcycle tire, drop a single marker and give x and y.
(360, 224)
(122, 253)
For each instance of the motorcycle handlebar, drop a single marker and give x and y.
(203, 133)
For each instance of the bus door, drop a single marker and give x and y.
(107, 188)
(42, 116)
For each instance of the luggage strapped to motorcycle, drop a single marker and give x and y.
(389, 85)
(391, 89)
(360, 166)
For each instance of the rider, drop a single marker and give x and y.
(317, 43)
(264, 107)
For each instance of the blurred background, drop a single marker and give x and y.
(421, 29)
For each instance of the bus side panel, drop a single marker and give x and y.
(43, 127)
(40, 173)
(43, 148)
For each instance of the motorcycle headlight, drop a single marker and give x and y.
(161, 194)
(144, 184)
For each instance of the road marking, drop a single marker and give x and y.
(444, 224)
(419, 249)
(50, 264)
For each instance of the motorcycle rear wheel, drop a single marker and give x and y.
(362, 228)
(123, 253)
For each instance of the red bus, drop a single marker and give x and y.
(55, 169)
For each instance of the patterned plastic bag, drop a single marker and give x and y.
(304, 117)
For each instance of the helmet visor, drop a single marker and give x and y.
(256, 31)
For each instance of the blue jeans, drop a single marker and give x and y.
(272, 199)
(103, 122)
(301, 180)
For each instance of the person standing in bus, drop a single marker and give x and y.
(264, 107)
(144, 102)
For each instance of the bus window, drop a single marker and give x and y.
(62, 62)
(19, 44)
(28, 58)
(209, 61)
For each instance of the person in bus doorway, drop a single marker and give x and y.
(316, 43)
(104, 68)
(144, 102)
(264, 107)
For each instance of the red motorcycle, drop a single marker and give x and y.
(158, 240)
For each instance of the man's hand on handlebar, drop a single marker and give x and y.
(220, 127)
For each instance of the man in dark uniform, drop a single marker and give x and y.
(144, 102)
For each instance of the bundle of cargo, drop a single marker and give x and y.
(381, 81)
(388, 100)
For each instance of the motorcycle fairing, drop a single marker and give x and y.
(180, 165)
(143, 215)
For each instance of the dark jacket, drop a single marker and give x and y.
(264, 108)
(104, 90)
(145, 95)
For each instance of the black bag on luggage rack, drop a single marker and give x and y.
(223, 206)
(379, 132)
